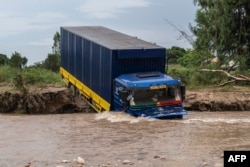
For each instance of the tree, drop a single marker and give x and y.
(52, 62)
(56, 44)
(174, 53)
(3, 59)
(194, 58)
(223, 28)
(18, 61)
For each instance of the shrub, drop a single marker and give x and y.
(30, 75)
(41, 76)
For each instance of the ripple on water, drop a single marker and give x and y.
(217, 120)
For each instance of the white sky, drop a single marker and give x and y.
(28, 26)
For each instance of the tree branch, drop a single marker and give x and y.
(225, 83)
(227, 74)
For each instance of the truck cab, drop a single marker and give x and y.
(149, 94)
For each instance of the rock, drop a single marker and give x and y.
(65, 161)
(28, 165)
(204, 164)
(105, 165)
(80, 160)
(126, 162)
(156, 156)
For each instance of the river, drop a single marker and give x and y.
(116, 139)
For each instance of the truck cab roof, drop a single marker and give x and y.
(146, 80)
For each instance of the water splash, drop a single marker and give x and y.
(120, 117)
(218, 120)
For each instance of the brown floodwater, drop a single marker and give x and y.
(111, 139)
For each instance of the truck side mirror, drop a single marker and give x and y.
(183, 92)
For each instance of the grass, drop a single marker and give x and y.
(193, 78)
(30, 76)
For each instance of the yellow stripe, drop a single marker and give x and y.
(158, 87)
(99, 103)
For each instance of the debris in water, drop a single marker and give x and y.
(127, 162)
(65, 161)
(80, 160)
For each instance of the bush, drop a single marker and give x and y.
(177, 71)
(30, 75)
(41, 76)
(194, 78)
(7, 73)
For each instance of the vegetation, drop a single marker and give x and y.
(29, 75)
(17, 61)
(220, 53)
(3, 59)
(52, 62)
(193, 78)
(14, 70)
(221, 47)
(223, 29)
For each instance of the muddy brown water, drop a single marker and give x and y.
(111, 139)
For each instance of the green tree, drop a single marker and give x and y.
(17, 61)
(174, 53)
(56, 44)
(223, 28)
(194, 58)
(3, 59)
(52, 62)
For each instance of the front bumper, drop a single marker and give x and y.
(160, 112)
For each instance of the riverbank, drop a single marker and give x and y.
(235, 99)
(57, 99)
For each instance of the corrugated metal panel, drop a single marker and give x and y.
(138, 65)
(64, 41)
(110, 39)
(71, 53)
(106, 77)
(141, 53)
(97, 64)
(79, 58)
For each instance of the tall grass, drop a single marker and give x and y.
(30, 75)
(7, 73)
(194, 78)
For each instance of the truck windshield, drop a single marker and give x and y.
(163, 95)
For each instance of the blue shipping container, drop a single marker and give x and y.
(96, 55)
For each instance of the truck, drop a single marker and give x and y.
(112, 71)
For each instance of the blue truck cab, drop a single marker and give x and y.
(113, 71)
(149, 94)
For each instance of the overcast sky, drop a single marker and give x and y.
(28, 26)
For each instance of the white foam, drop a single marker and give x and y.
(119, 117)
(217, 120)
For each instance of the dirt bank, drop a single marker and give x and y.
(217, 100)
(48, 100)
